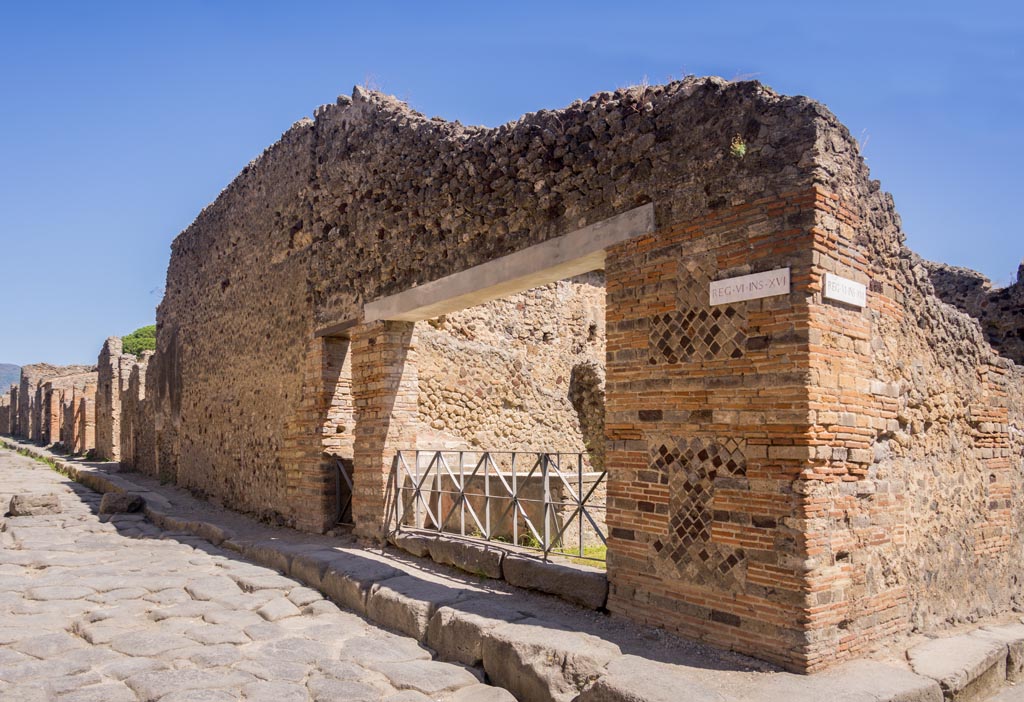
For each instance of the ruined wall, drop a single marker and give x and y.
(499, 376)
(912, 502)
(137, 449)
(14, 393)
(5, 413)
(30, 400)
(114, 368)
(55, 393)
(370, 198)
(788, 476)
(1000, 311)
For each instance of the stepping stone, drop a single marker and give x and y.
(31, 505)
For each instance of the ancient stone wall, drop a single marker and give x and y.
(499, 376)
(137, 449)
(14, 395)
(912, 509)
(788, 476)
(114, 369)
(1000, 311)
(5, 413)
(30, 400)
(55, 392)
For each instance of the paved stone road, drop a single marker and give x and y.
(112, 611)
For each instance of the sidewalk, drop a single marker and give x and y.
(542, 649)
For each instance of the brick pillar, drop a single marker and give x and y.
(318, 433)
(707, 429)
(108, 399)
(385, 386)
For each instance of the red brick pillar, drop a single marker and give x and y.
(320, 431)
(385, 387)
(707, 428)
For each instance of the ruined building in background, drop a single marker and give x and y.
(697, 283)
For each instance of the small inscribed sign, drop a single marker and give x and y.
(845, 290)
(750, 287)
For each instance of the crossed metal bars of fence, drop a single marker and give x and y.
(419, 492)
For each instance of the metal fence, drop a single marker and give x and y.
(550, 502)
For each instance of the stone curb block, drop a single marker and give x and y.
(967, 667)
(537, 662)
(478, 559)
(1013, 636)
(416, 544)
(406, 603)
(456, 631)
(349, 582)
(635, 679)
(587, 587)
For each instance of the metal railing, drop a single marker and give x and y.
(342, 497)
(550, 502)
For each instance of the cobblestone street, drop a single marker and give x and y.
(117, 610)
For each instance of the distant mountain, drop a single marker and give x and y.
(9, 374)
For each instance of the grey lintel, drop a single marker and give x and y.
(563, 257)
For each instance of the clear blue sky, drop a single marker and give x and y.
(120, 121)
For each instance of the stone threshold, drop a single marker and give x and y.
(542, 649)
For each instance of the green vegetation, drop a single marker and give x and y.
(142, 339)
(593, 556)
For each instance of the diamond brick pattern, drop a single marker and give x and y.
(691, 467)
(696, 335)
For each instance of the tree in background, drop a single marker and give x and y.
(142, 339)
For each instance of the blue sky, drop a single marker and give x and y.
(120, 121)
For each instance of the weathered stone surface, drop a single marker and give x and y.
(407, 603)
(585, 586)
(264, 691)
(157, 684)
(148, 643)
(1013, 636)
(535, 661)
(456, 631)
(482, 693)
(368, 650)
(121, 502)
(278, 608)
(28, 505)
(324, 689)
(477, 558)
(857, 681)
(416, 544)
(429, 677)
(103, 692)
(349, 580)
(968, 668)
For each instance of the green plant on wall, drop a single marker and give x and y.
(142, 339)
(738, 147)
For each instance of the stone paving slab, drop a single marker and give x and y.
(536, 647)
(147, 617)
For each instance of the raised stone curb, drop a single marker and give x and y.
(522, 649)
(580, 585)
(968, 668)
(1013, 636)
(587, 587)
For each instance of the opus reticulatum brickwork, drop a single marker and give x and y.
(817, 456)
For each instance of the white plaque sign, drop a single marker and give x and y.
(750, 287)
(845, 290)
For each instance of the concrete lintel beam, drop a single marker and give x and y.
(563, 257)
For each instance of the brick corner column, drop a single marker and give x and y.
(385, 388)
